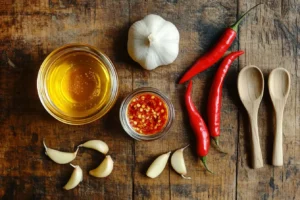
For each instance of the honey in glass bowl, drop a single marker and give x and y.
(77, 84)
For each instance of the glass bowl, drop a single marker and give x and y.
(103, 83)
(125, 121)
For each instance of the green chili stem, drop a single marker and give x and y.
(216, 140)
(203, 159)
(236, 24)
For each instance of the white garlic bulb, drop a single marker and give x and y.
(153, 42)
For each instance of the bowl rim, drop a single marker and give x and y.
(43, 94)
(124, 119)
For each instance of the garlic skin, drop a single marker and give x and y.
(153, 42)
(75, 178)
(60, 157)
(104, 169)
(178, 164)
(97, 145)
(158, 165)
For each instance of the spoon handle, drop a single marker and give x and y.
(257, 160)
(277, 146)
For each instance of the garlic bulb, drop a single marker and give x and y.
(104, 169)
(97, 145)
(75, 178)
(158, 165)
(153, 41)
(178, 164)
(60, 157)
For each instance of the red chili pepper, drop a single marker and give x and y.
(199, 127)
(215, 96)
(212, 56)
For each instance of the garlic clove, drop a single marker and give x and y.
(104, 169)
(178, 164)
(60, 157)
(75, 178)
(158, 165)
(97, 145)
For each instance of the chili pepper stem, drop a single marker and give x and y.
(203, 159)
(236, 24)
(216, 140)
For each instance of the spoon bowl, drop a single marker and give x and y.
(279, 87)
(250, 85)
(279, 84)
(251, 89)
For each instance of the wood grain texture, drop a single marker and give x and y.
(31, 29)
(269, 38)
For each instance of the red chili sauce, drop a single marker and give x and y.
(147, 114)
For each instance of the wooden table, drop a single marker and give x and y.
(31, 29)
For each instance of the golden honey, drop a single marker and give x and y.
(78, 84)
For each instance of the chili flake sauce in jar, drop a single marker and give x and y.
(146, 114)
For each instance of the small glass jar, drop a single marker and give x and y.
(87, 57)
(125, 121)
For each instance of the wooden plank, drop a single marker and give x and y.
(269, 37)
(146, 152)
(297, 114)
(200, 30)
(31, 31)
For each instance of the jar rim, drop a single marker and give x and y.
(124, 118)
(46, 100)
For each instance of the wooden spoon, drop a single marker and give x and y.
(251, 89)
(279, 87)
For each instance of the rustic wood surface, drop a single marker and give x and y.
(31, 29)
